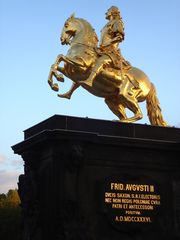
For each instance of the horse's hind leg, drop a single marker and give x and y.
(132, 104)
(116, 108)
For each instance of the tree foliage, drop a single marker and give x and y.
(10, 216)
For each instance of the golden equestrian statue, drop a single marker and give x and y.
(103, 71)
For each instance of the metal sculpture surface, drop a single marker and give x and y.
(103, 71)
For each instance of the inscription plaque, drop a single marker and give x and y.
(130, 204)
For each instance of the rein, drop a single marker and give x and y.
(89, 46)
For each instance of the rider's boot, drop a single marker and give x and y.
(89, 81)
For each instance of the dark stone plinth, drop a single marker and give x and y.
(90, 179)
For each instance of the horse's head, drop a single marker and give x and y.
(69, 30)
(80, 30)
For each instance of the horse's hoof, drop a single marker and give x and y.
(64, 96)
(55, 87)
(60, 78)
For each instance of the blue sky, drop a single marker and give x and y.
(29, 44)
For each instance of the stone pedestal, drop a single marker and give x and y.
(89, 179)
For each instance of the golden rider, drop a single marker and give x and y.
(111, 35)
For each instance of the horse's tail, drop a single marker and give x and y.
(153, 108)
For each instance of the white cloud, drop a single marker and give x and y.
(17, 162)
(2, 159)
(10, 169)
(8, 180)
(9, 163)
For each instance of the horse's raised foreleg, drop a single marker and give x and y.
(76, 61)
(54, 86)
(59, 77)
(55, 69)
(70, 92)
(59, 59)
(54, 72)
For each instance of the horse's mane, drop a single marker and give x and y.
(90, 30)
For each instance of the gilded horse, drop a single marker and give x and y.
(78, 62)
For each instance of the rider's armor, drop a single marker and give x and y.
(111, 35)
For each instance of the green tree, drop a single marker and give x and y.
(13, 199)
(10, 216)
(2, 199)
